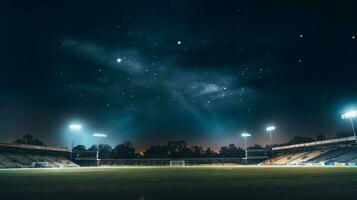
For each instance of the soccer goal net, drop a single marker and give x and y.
(40, 165)
(177, 163)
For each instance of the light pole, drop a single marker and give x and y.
(351, 115)
(270, 130)
(245, 135)
(98, 136)
(75, 128)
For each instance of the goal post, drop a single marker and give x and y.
(40, 165)
(177, 163)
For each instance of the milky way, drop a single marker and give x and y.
(199, 71)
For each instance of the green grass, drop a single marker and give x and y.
(180, 183)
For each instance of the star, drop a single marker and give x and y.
(179, 42)
(353, 37)
(119, 60)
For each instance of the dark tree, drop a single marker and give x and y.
(176, 149)
(234, 151)
(104, 151)
(256, 146)
(197, 152)
(79, 148)
(29, 139)
(344, 134)
(300, 139)
(320, 137)
(224, 152)
(156, 151)
(125, 150)
(209, 153)
(94, 147)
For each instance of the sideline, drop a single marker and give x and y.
(175, 167)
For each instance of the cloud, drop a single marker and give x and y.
(210, 88)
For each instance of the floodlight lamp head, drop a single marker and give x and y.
(245, 135)
(270, 128)
(75, 127)
(349, 115)
(99, 135)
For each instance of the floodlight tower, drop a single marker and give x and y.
(350, 115)
(245, 135)
(99, 136)
(75, 128)
(270, 130)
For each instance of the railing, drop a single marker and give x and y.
(166, 161)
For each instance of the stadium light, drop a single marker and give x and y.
(98, 136)
(270, 130)
(351, 115)
(74, 128)
(245, 135)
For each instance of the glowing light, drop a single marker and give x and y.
(75, 127)
(349, 115)
(270, 128)
(246, 135)
(179, 42)
(101, 135)
(119, 60)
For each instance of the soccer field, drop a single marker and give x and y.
(180, 183)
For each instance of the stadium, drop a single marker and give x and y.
(305, 169)
(178, 99)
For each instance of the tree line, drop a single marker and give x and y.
(171, 150)
(178, 149)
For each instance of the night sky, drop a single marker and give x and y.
(199, 71)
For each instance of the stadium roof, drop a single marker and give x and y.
(316, 143)
(35, 147)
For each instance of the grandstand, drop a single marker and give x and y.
(24, 156)
(341, 151)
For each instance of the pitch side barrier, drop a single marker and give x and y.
(166, 161)
(316, 143)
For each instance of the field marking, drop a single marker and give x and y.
(176, 167)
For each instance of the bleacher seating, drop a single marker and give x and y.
(353, 160)
(345, 158)
(15, 157)
(284, 160)
(307, 156)
(7, 162)
(331, 154)
(338, 155)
